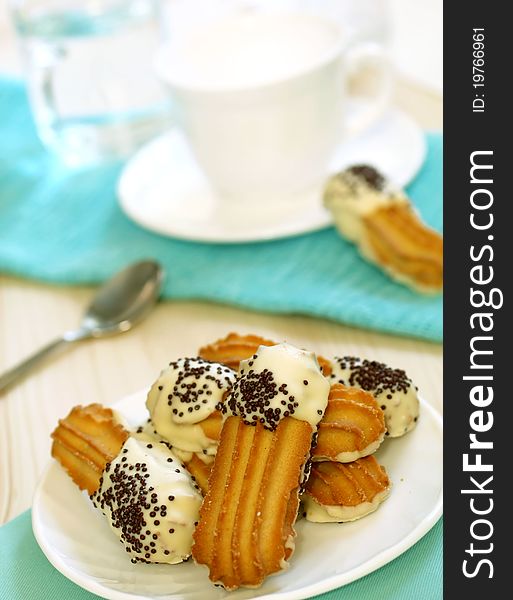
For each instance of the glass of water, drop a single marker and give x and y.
(89, 74)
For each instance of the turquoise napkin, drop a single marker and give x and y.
(25, 574)
(65, 226)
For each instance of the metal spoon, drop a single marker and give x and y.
(119, 304)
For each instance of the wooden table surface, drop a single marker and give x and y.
(106, 370)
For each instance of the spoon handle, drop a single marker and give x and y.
(16, 373)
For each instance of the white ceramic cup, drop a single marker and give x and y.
(261, 100)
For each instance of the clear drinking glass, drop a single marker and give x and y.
(89, 74)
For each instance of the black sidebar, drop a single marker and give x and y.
(478, 238)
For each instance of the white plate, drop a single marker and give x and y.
(78, 542)
(162, 188)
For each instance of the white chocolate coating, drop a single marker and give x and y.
(392, 388)
(353, 195)
(150, 502)
(318, 513)
(186, 456)
(349, 196)
(277, 382)
(346, 457)
(186, 393)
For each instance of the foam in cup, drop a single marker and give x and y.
(251, 50)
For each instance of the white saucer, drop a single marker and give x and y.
(78, 542)
(162, 188)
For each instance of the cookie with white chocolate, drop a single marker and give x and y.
(150, 502)
(183, 403)
(337, 493)
(381, 220)
(394, 391)
(149, 499)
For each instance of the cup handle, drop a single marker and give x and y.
(363, 55)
